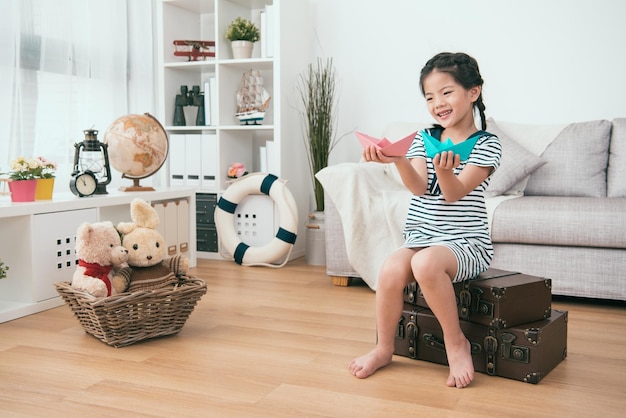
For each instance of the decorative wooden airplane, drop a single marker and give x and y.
(194, 50)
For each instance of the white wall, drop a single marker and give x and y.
(543, 61)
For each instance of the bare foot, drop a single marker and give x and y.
(461, 365)
(366, 365)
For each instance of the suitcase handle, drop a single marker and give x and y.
(434, 342)
(438, 344)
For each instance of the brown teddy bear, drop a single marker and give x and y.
(102, 269)
(150, 269)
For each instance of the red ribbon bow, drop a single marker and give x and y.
(98, 271)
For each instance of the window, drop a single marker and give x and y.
(68, 66)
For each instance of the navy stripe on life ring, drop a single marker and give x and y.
(266, 185)
(226, 205)
(240, 251)
(284, 235)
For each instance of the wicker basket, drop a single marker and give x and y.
(131, 317)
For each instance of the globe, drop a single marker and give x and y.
(137, 147)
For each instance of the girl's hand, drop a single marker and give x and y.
(446, 161)
(373, 154)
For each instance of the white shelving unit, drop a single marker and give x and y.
(207, 21)
(38, 241)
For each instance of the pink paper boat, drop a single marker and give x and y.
(390, 149)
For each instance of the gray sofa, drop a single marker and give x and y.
(557, 207)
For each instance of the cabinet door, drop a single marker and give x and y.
(54, 255)
(182, 217)
(174, 225)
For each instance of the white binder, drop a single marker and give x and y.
(177, 160)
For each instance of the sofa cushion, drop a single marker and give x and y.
(576, 162)
(567, 221)
(616, 172)
(575, 271)
(516, 164)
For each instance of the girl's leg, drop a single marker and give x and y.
(394, 275)
(434, 269)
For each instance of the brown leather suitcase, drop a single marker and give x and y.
(497, 298)
(525, 352)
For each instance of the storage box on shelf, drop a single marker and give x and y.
(40, 250)
(200, 155)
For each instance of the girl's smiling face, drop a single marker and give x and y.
(449, 103)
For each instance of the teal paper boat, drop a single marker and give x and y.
(434, 146)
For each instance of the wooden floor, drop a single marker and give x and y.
(276, 343)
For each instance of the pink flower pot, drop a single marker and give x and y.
(23, 190)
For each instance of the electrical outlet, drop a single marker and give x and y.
(255, 221)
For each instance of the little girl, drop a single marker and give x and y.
(446, 231)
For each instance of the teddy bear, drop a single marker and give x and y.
(102, 269)
(150, 267)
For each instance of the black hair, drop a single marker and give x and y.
(465, 71)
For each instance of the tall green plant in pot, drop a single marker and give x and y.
(317, 88)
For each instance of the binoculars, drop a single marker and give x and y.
(193, 97)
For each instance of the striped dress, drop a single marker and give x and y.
(461, 226)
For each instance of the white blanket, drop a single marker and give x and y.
(372, 203)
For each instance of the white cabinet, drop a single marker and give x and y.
(223, 140)
(38, 240)
(54, 240)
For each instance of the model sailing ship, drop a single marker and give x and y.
(252, 99)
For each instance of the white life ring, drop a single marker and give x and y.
(283, 241)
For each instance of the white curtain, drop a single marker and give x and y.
(67, 66)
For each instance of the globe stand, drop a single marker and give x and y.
(136, 187)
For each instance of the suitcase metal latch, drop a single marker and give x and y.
(485, 308)
(514, 352)
(481, 307)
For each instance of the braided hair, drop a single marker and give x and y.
(465, 71)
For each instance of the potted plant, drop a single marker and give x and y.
(31, 178)
(317, 89)
(23, 179)
(242, 34)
